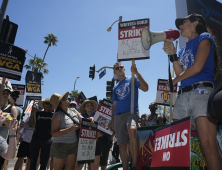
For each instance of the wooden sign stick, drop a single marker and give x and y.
(171, 100)
(132, 91)
(2, 87)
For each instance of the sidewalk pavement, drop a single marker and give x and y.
(11, 163)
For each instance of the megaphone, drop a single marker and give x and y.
(149, 38)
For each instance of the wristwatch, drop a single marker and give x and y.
(11, 136)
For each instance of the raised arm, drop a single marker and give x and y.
(10, 152)
(143, 84)
(176, 64)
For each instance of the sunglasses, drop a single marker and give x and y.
(72, 105)
(117, 68)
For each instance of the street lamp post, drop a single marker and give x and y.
(75, 82)
(120, 20)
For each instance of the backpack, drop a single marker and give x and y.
(215, 103)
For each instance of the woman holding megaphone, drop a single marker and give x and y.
(196, 67)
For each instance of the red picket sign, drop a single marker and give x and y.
(172, 146)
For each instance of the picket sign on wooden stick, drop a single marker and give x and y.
(164, 111)
(171, 100)
(171, 93)
(34, 114)
(132, 91)
(2, 87)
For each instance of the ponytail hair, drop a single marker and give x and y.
(200, 28)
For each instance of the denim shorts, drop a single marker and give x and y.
(121, 122)
(192, 104)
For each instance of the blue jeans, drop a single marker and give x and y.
(35, 146)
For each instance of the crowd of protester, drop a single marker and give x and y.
(49, 137)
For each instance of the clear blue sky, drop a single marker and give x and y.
(83, 41)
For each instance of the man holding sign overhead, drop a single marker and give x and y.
(122, 121)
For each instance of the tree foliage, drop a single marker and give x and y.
(74, 94)
(37, 64)
(51, 40)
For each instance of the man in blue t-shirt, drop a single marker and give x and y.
(123, 122)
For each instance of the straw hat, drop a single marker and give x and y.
(40, 103)
(94, 103)
(56, 98)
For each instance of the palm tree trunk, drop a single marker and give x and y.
(44, 56)
(45, 53)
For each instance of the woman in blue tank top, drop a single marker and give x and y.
(196, 67)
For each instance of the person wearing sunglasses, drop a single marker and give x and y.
(73, 104)
(153, 118)
(41, 138)
(122, 121)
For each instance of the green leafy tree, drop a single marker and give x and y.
(74, 94)
(37, 64)
(51, 40)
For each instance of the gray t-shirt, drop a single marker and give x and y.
(3, 145)
(66, 122)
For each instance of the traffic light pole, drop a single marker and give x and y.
(2, 11)
(2, 15)
(104, 67)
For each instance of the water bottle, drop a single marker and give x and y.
(201, 89)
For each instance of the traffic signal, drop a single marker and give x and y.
(92, 72)
(109, 88)
(8, 31)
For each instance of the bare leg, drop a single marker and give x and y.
(124, 154)
(78, 166)
(103, 167)
(19, 163)
(48, 164)
(51, 164)
(58, 163)
(206, 128)
(133, 144)
(28, 161)
(70, 162)
(95, 164)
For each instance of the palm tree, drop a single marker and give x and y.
(37, 64)
(74, 94)
(51, 39)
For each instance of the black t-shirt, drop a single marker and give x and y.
(43, 125)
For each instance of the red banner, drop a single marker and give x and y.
(172, 145)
